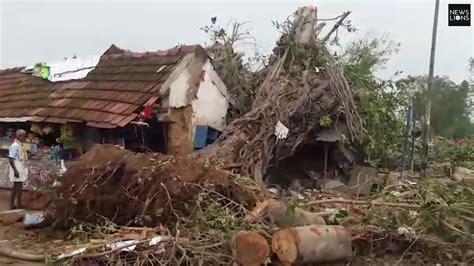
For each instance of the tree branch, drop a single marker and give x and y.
(363, 202)
(319, 27)
(336, 26)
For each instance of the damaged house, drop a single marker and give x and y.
(170, 101)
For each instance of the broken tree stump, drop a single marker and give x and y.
(250, 248)
(312, 244)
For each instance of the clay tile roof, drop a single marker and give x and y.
(113, 49)
(21, 94)
(110, 95)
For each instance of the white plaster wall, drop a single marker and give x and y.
(211, 104)
(211, 101)
(178, 83)
(178, 90)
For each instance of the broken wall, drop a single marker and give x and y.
(194, 95)
(210, 105)
(180, 139)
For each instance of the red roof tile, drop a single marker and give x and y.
(56, 120)
(127, 120)
(100, 125)
(151, 101)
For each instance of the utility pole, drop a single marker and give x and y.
(427, 126)
(406, 144)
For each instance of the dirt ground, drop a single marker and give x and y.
(16, 236)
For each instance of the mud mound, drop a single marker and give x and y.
(131, 188)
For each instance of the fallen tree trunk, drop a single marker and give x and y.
(312, 244)
(284, 217)
(250, 248)
(21, 255)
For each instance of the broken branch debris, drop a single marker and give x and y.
(364, 202)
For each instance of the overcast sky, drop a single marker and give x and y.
(34, 31)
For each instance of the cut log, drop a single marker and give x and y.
(282, 216)
(11, 216)
(312, 244)
(250, 248)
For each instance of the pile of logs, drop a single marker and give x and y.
(295, 245)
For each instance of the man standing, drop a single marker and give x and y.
(17, 156)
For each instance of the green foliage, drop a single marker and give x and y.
(67, 134)
(338, 217)
(233, 69)
(325, 121)
(382, 101)
(365, 56)
(446, 210)
(216, 216)
(384, 123)
(450, 106)
(221, 219)
(457, 153)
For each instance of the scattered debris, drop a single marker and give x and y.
(362, 179)
(33, 218)
(71, 253)
(281, 131)
(127, 245)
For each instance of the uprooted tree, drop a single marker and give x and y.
(303, 84)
